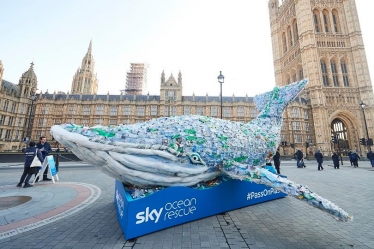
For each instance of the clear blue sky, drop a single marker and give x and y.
(198, 37)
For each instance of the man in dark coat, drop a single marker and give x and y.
(276, 159)
(335, 160)
(45, 149)
(28, 171)
(350, 157)
(319, 157)
(354, 158)
(299, 156)
(370, 156)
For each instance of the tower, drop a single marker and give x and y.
(85, 80)
(28, 83)
(171, 93)
(136, 79)
(171, 90)
(322, 41)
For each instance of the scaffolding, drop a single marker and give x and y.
(136, 79)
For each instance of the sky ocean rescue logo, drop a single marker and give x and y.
(173, 210)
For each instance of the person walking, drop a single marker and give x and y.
(319, 157)
(45, 149)
(355, 158)
(28, 171)
(299, 157)
(350, 157)
(276, 159)
(370, 156)
(335, 160)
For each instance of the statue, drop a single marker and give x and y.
(187, 150)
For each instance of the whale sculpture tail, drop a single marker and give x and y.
(274, 102)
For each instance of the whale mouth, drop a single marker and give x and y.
(137, 164)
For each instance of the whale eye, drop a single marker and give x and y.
(195, 158)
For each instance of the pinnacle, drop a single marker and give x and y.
(90, 48)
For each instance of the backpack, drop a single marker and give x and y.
(353, 156)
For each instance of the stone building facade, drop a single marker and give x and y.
(93, 109)
(322, 40)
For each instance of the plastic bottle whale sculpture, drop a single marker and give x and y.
(186, 150)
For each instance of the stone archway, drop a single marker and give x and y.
(345, 124)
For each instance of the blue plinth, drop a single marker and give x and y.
(176, 205)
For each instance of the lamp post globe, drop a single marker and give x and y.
(221, 80)
(362, 104)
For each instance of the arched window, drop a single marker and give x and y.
(344, 72)
(295, 31)
(334, 73)
(317, 21)
(325, 77)
(284, 39)
(336, 21)
(326, 21)
(289, 32)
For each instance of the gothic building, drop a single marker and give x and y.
(85, 80)
(16, 109)
(322, 40)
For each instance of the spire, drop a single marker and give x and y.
(88, 83)
(180, 78)
(90, 48)
(163, 77)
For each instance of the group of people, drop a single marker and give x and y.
(41, 151)
(353, 158)
(352, 155)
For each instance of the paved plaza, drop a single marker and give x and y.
(78, 212)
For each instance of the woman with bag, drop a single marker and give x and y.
(33, 162)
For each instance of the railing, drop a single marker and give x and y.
(332, 41)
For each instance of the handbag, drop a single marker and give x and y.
(36, 162)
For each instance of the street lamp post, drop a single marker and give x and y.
(221, 79)
(362, 104)
(33, 97)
